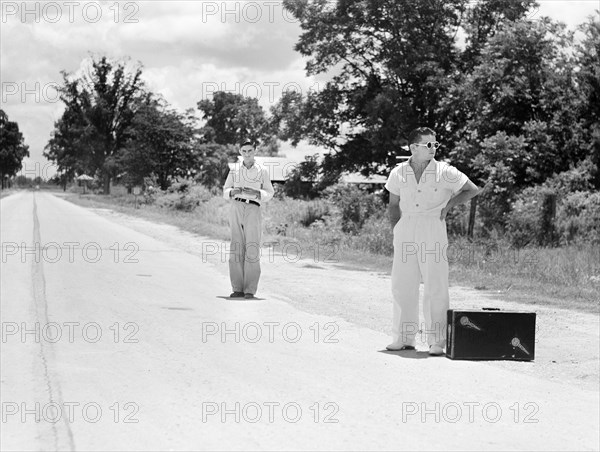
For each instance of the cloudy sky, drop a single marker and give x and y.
(188, 50)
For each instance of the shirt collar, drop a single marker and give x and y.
(432, 162)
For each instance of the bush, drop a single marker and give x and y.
(180, 186)
(184, 195)
(353, 205)
(302, 178)
(326, 232)
(577, 178)
(313, 211)
(285, 215)
(457, 220)
(532, 217)
(578, 219)
(522, 222)
(376, 236)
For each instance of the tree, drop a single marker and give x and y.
(395, 63)
(288, 118)
(213, 158)
(159, 143)
(483, 20)
(269, 147)
(68, 147)
(12, 148)
(233, 119)
(100, 106)
(517, 124)
(301, 181)
(588, 82)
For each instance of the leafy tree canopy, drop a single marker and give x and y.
(12, 147)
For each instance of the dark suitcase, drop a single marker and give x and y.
(490, 334)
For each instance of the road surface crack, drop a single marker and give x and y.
(41, 314)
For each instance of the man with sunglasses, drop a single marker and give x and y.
(422, 191)
(247, 186)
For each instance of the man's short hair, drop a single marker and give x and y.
(418, 133)
(248, 143)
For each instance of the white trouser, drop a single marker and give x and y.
(420, 245)
(244, 259)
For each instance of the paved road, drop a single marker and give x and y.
(117, 341)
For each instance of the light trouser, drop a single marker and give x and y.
(420, 246)
(244, 257)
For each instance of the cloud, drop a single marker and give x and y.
(191, 81)
(223, 38)
(571, 12)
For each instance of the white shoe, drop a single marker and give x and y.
(436, 350)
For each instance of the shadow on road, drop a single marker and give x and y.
(410, 354)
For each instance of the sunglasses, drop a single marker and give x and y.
(429, 144)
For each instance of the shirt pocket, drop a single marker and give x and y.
(435, 195)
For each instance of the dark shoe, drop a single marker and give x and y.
(396, 347)
(237, 295)
(248, 296)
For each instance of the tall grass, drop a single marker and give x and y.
(571, 272)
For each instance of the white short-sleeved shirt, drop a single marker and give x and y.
(439, 182)
(255, 177)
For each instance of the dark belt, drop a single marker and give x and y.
(247, 201)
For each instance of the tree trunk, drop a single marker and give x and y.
(548, 235)
(472, 211)
(163, 181)
(106, 189)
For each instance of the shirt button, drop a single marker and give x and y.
(417, 205)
